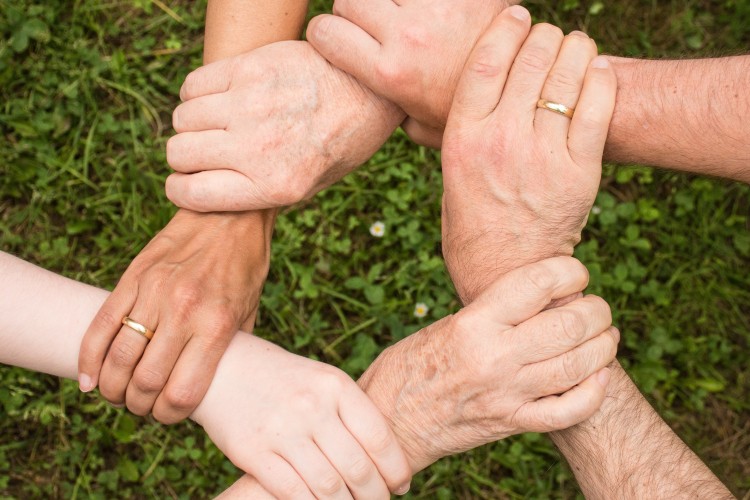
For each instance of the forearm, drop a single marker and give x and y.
(43, 317)
(627, 451)
(688, 115)
(237, 26)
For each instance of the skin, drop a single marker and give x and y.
(270, 411)
(302, 428)
(662, 106)
(626, 449)
(269, 128)
(165, 286)
(409, 378)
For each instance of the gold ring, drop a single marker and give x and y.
(555, 107)
(137, 327)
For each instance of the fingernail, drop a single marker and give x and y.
(403, 489)
(600, 62)
(603, 376)
(85, 384)
(615, 333)
(519, 12)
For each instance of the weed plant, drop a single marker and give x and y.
(86, 92)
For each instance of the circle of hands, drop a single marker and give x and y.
(274, 126)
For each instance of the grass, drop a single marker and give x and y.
(86, 91)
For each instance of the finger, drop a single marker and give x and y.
(351, 461)
(529, 72)
(590, 124)
(560, 412)
(556, 331)
(190, 152)
(373, 16)
(212, 78)
(563, 372)
(195, 368)
(564, 83)
(423, 135)
(100, 333)
(368, 426)
(484, 76)
(125, 352)
(207, 112)
(278, 477)
(245, 487)
(317, 472)
(154, 368)
(524, 292)
(215, 191)
(329, 33)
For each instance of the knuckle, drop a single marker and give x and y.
(541, 278)
(107, 319)
(182, 397)
(573, 368)
(535, 59)
(360, 470)
(416, 36)
(389, 73)
(380, 439)
(147, 380)
(329, 485)
(123, 354)
(572, 325)
(186, 297)
(291, 487)
(485, 62)
(564, 81)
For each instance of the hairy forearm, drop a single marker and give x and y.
(626, 450)
(688, 115)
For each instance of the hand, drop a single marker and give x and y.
(408, 51)
(303, 429)
(501, 366)
(270, 128)
(519, 180)
(195, 284)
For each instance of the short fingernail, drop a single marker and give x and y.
(616, 334)
(85, 383)
(600, 62)
(519, 12)
(403, 489)
(603, 377)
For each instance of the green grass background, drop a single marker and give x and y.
(86, 91)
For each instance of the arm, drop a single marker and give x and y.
(279, 416)
(626, 450)
(686, 115)
(237, 26)
(168, 283)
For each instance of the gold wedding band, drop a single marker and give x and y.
(137, 327)
(555, 107)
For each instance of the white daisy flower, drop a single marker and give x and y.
(421, 310)
(596, 210)
(377, 229)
